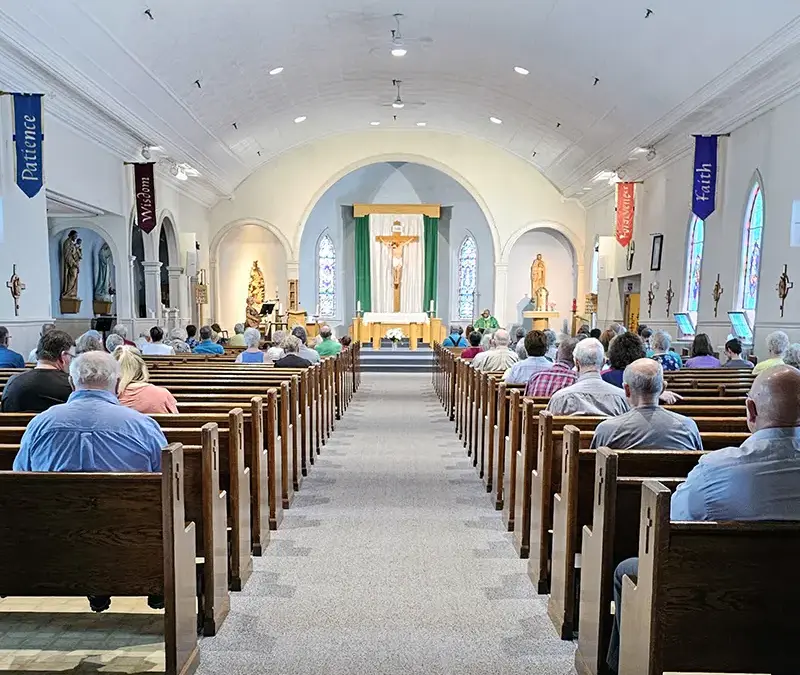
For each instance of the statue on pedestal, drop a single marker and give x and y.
(255, 288)
(103, 289)
(540, 296)
(71, 256)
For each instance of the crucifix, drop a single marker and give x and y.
(396, 243)
(15, 285)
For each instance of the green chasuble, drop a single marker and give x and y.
(486, 324)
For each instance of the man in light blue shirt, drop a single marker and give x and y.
(93, 432)
(760, 480)
(536, 361)
(206, 344)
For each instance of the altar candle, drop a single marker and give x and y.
(432, 307)
(574, 304)
(358, 306)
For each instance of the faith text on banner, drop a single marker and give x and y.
(704, 190)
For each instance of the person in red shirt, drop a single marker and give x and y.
(562, 374)
(475, 345)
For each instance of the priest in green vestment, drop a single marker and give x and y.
(486, 321)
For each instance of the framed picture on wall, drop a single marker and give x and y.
(655, 253)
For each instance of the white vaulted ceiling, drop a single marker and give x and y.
(691, 67)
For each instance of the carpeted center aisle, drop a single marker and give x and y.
(391, 560)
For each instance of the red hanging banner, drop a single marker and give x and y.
(625, 208)
(144, 189)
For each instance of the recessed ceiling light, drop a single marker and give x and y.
(521, 71)
(587, 189)
(276, 71)
(399, 51)
(495, 120)
(422, 124)
(302, 118)
(375, 124)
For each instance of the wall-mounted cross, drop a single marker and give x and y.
(15, 285)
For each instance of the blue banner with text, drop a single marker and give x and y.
(704, 194)
(29, 139)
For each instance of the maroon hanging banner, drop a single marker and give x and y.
(625, 208)
(144, 190)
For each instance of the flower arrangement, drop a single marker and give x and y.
(394, 334)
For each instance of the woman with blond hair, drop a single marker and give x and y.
(134, 389)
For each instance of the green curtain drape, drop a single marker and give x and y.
(431, 260)
(363, 282)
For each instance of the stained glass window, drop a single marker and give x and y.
(467, 278)
(326, 277)
(694, 264)
(751, 252)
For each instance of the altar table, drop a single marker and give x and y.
(372, 327)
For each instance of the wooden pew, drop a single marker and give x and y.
(610, 536)
(585, 471)
(112, 534)
(546, 479)
(232, 476)
(513, 444)
(728, 609)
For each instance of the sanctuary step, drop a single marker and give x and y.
(400, 360)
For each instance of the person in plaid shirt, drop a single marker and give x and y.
(561, 375)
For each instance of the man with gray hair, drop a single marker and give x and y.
(113, 341)
(90, 341)
(499, 356)
(590, 395)
(238, 336)
(291, 358)
(92, 432)
(329, 346)
(777, 344)
(122, 330)
(552, 349)
(305, 352)
(647, 425)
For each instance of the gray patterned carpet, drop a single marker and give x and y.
(392, 560)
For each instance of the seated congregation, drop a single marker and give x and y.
(656, 498)
(130, 470)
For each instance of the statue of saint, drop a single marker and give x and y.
(102, 286)
(253, 313)
(256, 287)
(537, 275)
(71, 256)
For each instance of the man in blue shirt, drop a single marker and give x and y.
(455, 339)
(206, 344)
(760, 480)
(92, 432)
(8, 358)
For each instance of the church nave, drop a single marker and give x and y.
(391, 560)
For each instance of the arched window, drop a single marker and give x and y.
(467, 278)
(751, 253)
(326, 277)
(694, 264)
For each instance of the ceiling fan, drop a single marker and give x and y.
(398, 43)
(399, 103)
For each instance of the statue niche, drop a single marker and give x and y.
(71, 256)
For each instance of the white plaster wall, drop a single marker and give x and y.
(767, 146)
(238, 251)
(513, 195)
(561, 275)
(23, 241)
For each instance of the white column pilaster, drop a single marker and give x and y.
(152, 285)
(500, 293)
(176, 297)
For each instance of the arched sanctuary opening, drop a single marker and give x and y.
(561, 275)
(331, 227)
(234, 253)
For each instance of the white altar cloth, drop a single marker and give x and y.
(395, 317)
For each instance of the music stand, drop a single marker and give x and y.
(267, 307)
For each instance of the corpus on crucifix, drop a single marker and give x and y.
(397, 242)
